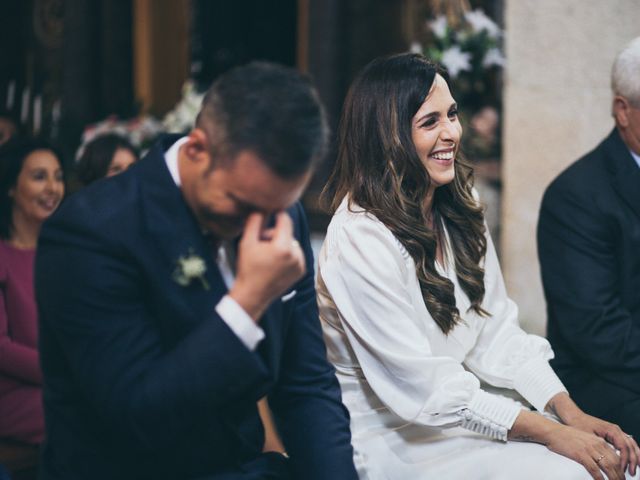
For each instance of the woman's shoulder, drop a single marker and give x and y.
(352, 225)
(6, 258)
(12, 257)
(349, 216)
(8, 253)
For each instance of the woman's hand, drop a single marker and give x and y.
(589, 450)
(572, 415)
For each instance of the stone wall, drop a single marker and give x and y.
(556, 108)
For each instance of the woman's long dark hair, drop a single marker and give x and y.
(379, 169)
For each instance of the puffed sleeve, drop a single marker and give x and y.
(365, 271)
(506, 356)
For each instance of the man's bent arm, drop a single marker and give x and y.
(91, 309)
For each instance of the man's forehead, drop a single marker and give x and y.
(251, 182)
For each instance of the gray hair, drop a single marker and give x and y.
(625, 74)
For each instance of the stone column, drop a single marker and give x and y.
(556, 108)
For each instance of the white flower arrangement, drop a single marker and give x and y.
(479, 22)
(183, 116)
(493, 57)
(455, 60)
(140, 131)
(143, 130)
(190, 267)
(438, 26)
(472, 44)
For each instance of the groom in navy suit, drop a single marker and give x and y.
(174, 296)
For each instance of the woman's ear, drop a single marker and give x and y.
(620, 110)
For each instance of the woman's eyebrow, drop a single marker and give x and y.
(426, 115)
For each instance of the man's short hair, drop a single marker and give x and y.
(625, 74)
(269, 109)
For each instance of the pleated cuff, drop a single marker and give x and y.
(538, 383)
(490, 415)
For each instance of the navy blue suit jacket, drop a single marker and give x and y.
(589, 248)
(142, 378)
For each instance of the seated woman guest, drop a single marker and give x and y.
(105, 156)
(415, 312)
(31, 188)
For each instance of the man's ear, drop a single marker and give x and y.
(620, 109)
(196, 147)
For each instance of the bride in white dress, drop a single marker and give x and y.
(434, 369)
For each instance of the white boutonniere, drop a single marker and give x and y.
(188, 268)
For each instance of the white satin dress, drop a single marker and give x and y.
(418, 410)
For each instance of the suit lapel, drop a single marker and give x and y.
(625, 171)
(170, 222)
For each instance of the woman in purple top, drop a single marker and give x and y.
(31, 188)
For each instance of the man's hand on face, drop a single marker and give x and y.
(269, 262)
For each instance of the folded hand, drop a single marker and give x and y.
(625, 444)
(591, 451)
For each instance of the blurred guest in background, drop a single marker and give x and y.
(31, 188)
(589, 250)
(9, 127)
(105, 156)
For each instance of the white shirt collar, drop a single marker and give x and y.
(224, 255)
(171, 159)
(635, 156)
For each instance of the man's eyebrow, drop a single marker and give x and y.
(244, 204)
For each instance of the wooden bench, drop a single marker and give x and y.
(19, 459)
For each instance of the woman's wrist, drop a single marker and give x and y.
(564, 407)
(531, 427)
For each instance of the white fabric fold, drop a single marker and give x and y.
(537, 382)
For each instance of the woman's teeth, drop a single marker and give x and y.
(443, 155)
(49, 204)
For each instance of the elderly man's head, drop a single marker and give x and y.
(625, 83)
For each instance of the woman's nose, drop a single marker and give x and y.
(449, 131)
(53, 184)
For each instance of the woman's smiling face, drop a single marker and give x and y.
(39, 187)
(436, 133)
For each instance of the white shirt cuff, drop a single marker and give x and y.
(538, 383)
(491, 415)
(239, 322)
